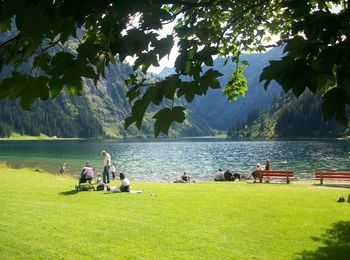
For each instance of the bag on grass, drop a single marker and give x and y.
(102, 187)
(84, 187)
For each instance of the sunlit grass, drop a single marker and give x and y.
(43, 217)
(3, 166)
(19, 137)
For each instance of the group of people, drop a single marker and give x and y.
(220, 175)
(259, 168)
(87, 174)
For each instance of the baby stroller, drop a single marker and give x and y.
(85, 179)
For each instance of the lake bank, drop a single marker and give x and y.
(167, 159)
(43, 217)
(41, 137)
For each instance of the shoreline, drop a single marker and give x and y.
(296, 180)
(41, 137)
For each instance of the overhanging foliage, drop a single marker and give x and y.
(64, 41)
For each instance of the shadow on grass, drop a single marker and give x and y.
(334, 185)
(70, 192)
(336, 243)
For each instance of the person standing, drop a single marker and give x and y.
(112, 170)
(106, 164)
(257, 173)
(267, 168)
(63, 168)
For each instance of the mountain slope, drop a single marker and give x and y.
(290, 117)
(99, 112)
(215, 108)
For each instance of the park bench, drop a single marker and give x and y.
(335, 176)
(274, 174)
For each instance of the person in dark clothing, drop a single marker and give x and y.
(186, 178)
(231, 177)
(125, 183)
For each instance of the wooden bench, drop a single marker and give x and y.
(274, 174)
(335, 176)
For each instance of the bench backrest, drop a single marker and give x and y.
(333, 175)
(275, 173)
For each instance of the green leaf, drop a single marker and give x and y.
(297, 78)
(170, 84)
(88, 50)
(87, 72)
(334, 105)
(163, 46)
(209, 79)
(165, 117)
(137, 113)
(188, 89)
(236, 85)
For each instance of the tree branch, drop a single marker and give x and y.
(10, 40)
(185, 3)
(241, 14)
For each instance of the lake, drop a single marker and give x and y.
(164, 160)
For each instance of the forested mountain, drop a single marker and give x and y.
(99, 112)
(289, 117)
(215, 108)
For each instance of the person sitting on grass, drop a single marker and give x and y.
(87, 174)
(185, 178)
(125, 183)
(98, 179)
(219, 176)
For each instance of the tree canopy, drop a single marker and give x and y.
(63, 41)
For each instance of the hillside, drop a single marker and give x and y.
(289, 117)
(215, 107)
(99, 112)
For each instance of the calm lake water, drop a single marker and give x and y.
(165, 160)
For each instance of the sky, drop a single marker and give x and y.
(169, 61)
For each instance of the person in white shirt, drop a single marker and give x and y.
(87, 174)
(219, 176)
(112, 170)
(125, 183)
(106, 164)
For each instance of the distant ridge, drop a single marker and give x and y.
(215, 108)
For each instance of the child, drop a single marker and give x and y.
(98, 179)
(63, 168)
(112, 170)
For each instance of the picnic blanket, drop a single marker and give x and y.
(117, 189)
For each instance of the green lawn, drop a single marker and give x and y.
(18, 137)
(42, 217)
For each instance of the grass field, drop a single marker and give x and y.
(42, 217)
(18, 137)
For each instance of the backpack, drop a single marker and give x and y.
(84, 187)
(102, 187)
